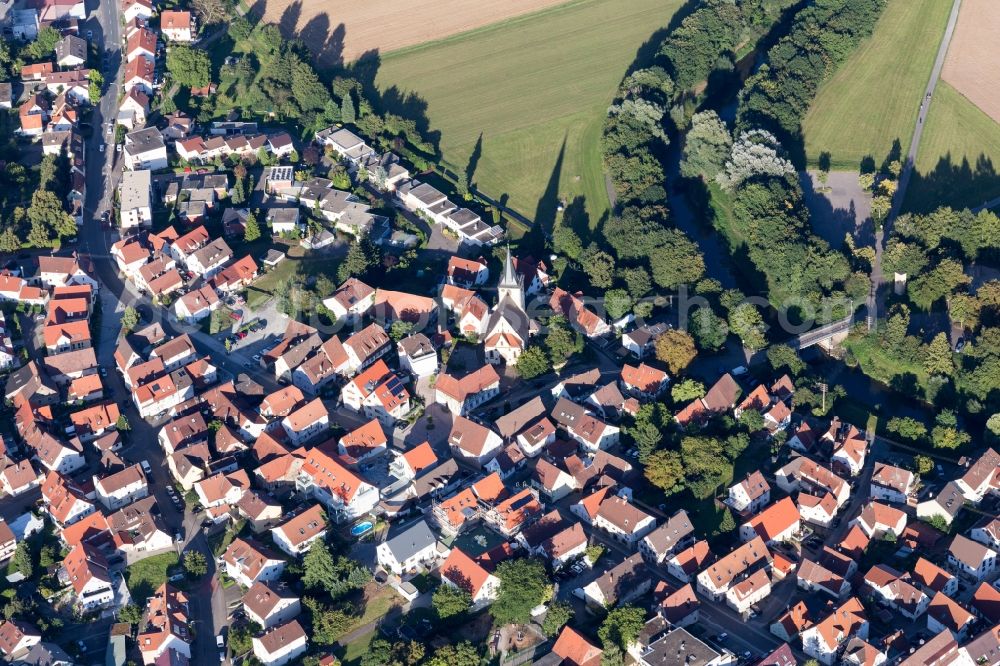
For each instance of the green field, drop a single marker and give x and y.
(530, 86)
(958, 156)
(146, 575)
(873, 100)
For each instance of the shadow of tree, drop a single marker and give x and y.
(958, 185)
(477, 153)
(289, 21)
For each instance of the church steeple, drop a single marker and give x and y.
(511, 283)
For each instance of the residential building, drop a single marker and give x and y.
(414, 547)
(462, 395)
(249, 562)
(462, 572)
(270, 606)
(144, 149)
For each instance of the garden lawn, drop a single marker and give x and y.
(874, 98)
(958, 156)
(533, 88)
(146, 575)
(351, 654)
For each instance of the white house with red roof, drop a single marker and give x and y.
(342, 493)
(778, 522)
(462, 572)
(644, 381)
(378, 393)
(877, 519)
(306, 422)
(462, 395)
(467, 273)
(364, 443)
(472, 442)
(249, 562)
(296, 535)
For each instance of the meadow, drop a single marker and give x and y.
(532, 93)
(874, 99)
(958, 157)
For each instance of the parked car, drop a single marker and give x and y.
(146, 467)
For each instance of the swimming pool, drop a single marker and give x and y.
(361, 528)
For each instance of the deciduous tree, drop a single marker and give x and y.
(188, 66)
(449, 602)
(524, 584)
(665, 470)
(675, 348)
(532, 362)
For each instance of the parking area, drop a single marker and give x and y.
(256, 331)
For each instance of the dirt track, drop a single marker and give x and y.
(971, 66)
(344, 29)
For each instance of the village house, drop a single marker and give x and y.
(352, 300)
(167, 630)
(462, 395)
(891, 484)
(248, 563)
(281, 644)
(777, 523)
(417, 355)
(750, 495)
(823, 640)
(411, 549)
(462, 572)
(345, 495)
(641, 341)
(177, 26)
(668, 538)
(644, 382)
(363, 443)
(877, 519)
(306, 422)
(379, 394)
(971, 559)
(715, 581)
(620, 584)
(474, 443)
(623, 521)
(982, 477)
(86, 569)
(144, 149)
(270, 606)
(121, 488)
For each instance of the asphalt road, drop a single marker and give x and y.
(910, 161)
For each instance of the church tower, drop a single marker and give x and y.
(511, 284)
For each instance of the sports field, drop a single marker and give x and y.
(959, 155)
(530, 86)
(875, 97)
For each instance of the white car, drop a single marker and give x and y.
(146, 467)
(101, 148)
(220, 642)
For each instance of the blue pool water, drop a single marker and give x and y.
(361, 528)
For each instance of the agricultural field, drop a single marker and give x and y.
(971, 66)
(959, 155)
(343, 30)
(873, 100)
(535, 91)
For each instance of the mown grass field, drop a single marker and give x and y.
(530, 86)
(874, 98)
(959, 155)
(146, 575)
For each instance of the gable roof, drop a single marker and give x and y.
(464, 572)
